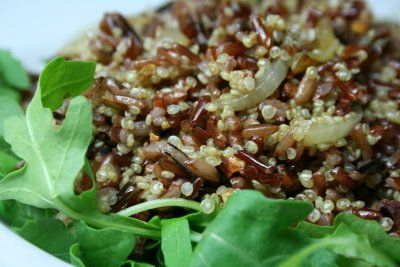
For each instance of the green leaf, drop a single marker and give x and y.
(6, 91)
(321, 257)
(356, 246)
(4, 146)
(13, 72)
(8, 160)
(252, 231)
(62, 79)
(343, 242)
(54, 156)
(50, 235)
(376, 236)
(75, 255)
(105, 247)
(8, 108)
(343, 261)
(3, 213)
(16, 214)
(83, 246)
(255, 231)
(39, 143)
(8, 163)
(175, 242)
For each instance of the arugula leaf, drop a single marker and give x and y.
(104, 247)
(16, 214)
(30, 138)
(83, 246)
(322, 257)
(252, 231)
(342, 242)
(175, 234)
(3, 213)
(8, 108)
(326, 258)
(342, 261)
(377, 237)
(255, 231)
(50, 235)
(9, 92)
(62, 79)
(53, 159)
(356, 246)
(8, 163)
(4, 146)
(75, 256)
(13, 72)
(57, 166)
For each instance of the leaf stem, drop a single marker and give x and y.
(147, 231)
(159, 203)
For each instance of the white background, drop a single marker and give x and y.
(34, 30)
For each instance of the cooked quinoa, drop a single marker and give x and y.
(296, 99)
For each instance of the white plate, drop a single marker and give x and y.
(36, 30)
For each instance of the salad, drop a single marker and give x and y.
(210, 133)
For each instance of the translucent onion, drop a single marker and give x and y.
(327, 43)
(265, 87)
(324, 129)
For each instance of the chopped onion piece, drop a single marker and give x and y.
(327, 42)
(266, 85)
(325, 129)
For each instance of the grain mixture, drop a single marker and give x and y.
(296, 99)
